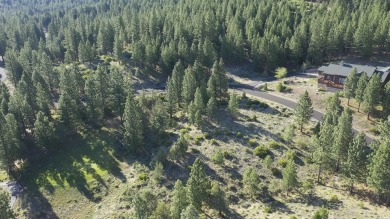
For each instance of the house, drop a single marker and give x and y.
(334, 75)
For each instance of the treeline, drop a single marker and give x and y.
(158, 34)
(338, 150)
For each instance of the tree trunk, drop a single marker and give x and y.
(319, 174)
(301, 128)
(359, 107)
(351, 188)
(368, 116)
(348, 102)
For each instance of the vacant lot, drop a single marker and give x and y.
(90, 179)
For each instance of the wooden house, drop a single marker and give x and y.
(334, 75)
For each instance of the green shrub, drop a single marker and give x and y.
(292, 217)
(252, 142)
(274, 145)
(321, 213)
(334, 199)
(282, 162)
(197, 139)
(183, 131)
(268, 209)
(268, 161)
(280, 87)
(361, 205)
(207, 135)
(143, 176)
(290, 154)
(374, 130)
(239, 135)
(261, 151)
(218, 157)
(254, 118)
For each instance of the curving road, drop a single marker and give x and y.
(249, 89)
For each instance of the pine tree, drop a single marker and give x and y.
(361, 86)
(179, 200)
(189, 213)
(118, 47)
(44, 132)
(371, 94)
(211, 107)
(333, 108)
(324, 143)
(379, 173)
(133, 135)
(179, 148)
(342, 137)
(117, 92)
(82, 52)
(233, 105)
(290, 177)
(176, 82)
(198, 101)
(303, 110)
(355, 166)
(5, 210)
(350, 85)
(43, 100)
(197, 185)
(94, 101)
(218, 198)
(10, 142)
(189, 86)
(217, 84)
(251, 181)
(386, 102)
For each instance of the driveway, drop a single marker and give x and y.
(288, 103)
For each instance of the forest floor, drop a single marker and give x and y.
(90, 178)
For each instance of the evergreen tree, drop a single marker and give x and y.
(350, 85)
(386, 102)
(179, 148)
(117, 92)
(379, 173)
(324, 143)
(44, 132)
(303, 110)
(179, 200)
(133, 135)
(118, 47)
(333, 108)
(94, 101)
(5, 211)
(82, 52)
(233, 104)
(197, 185)
(189, 213)
(361, 86)
(217, 198)
(355, 166)
(321, 213)
(176, 82)
(371, 94)
(290, 177)
(198, 101)
(217, 84)
(251, 181)
(211, 107)
(342, 137)
(43, 100)
(10, 142)
(189, 86)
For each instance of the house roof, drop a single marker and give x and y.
(344, 69)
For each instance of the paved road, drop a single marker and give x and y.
(288, 103)
(14, 189)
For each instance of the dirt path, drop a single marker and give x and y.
(14, 189)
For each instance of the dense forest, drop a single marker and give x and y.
(58, 58)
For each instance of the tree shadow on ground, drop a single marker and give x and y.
(316, 201)
(81, 159)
